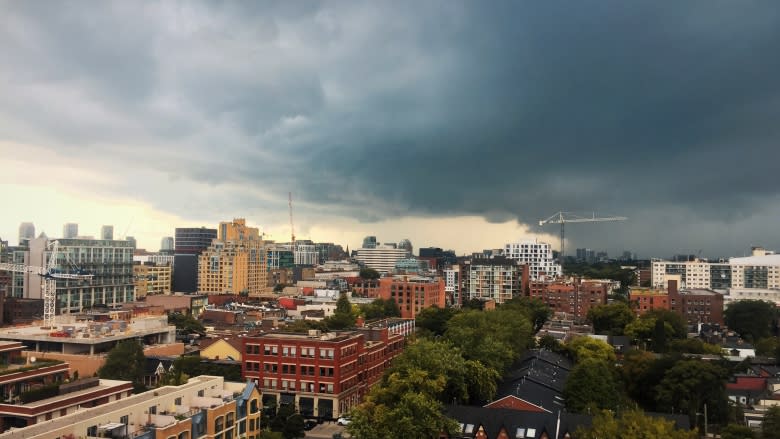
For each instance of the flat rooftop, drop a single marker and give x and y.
(138, 328)
(103, 384)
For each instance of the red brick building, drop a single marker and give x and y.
(694, 305)
(572, 297)
(644, 300)
(413, 294)
(363, 287)
(324, 375)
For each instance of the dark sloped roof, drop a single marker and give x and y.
(538, 379)
(493, 420)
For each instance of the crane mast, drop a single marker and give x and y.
(567, 217)
(49, 276)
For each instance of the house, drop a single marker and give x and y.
(227, 348)
(536, 385)
(495, 423)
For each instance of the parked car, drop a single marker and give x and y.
(309, 424)
(344, 420)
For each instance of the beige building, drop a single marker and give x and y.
(152, 279)
(235, 262)
(204, 407)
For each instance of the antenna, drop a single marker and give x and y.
(292, 227)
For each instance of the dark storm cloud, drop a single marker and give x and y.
(663, 112)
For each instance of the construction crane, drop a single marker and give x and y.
(292, 228)
(567, 217)
(49, 285)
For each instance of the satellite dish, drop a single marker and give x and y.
(32, 359)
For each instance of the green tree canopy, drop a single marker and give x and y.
(752, 319)
(432, 321)
(693, 346)
(591, 383)
(689, 384)
(611, 318)
(582, 348)
(379, 309)
(125, 362)
(536, 311)
(342, 318)
(186, 323)
(632, 424)
(369, 273)
(658, 328)
(735, 431)
(496, 338)
(288, 422)
(770, 426)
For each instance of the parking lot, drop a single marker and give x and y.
(326, 431)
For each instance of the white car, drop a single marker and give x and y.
(343, 420)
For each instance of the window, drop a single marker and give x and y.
(177, 401)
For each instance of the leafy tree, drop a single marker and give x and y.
(536, 311)
(125, 362)
(288, 422)
(632, 424)
(186, 323)
(550, 343)
(466, 380)
(658, 327)
(693, 346)
(369, 273)
(767, 346)
(402, 406)
(601, 270)
(690, 384)
(591, 382)
(433, 320)
(343, 317)
(770, 426)
(752, 319)
(495, 338)
(379, 309)
(637, 374)
(303, 325)
(191, 365)
(736, 431)
(611, 318)
(583, 348)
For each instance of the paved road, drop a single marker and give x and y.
(326, 430)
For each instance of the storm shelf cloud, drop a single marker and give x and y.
(664, 112)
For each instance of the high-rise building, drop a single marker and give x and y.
(70, 230)
(407, 245)
(369, 242)
(189, 244)
(412, 293)
(132, 241)
(26, 233)
(499, 279)
(107, 232)
(109, 261)
(166, 244)
(235, 265)
(382, 258)
(538, 256)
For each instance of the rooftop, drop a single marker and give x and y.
(85, 333)
(756, 260)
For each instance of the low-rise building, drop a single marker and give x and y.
(324, 375)
(573, 297)
(204, 407)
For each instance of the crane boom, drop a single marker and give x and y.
(49, 284)
(567, 217)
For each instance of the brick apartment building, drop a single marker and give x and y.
(324, 375)
(572, 297)
(412, 294)
(696, 305)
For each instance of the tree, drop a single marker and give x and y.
(465, 380)
(611, 318)
(582, 348)
(343, 317)
(658, 327)
(550, 343)
(369, 274)
(752, 319)
(770, 426)
(735, 431)
(433, 320)
(379, 309)
(186, 323)
(402, 406)
(125, 362)
(534, 309)
(288, 422)
(767, 346)
(591, 382)
(632, 424)
(693, 346)
(690, 384)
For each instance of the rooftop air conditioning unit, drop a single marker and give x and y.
(314, 332)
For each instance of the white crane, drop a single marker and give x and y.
(568, 217)
(49, 284)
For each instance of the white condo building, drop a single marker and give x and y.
(382, 258)
(752, 277)
(537, 255)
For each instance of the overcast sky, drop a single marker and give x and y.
(454, 124)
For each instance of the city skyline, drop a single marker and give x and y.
(449, 123)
